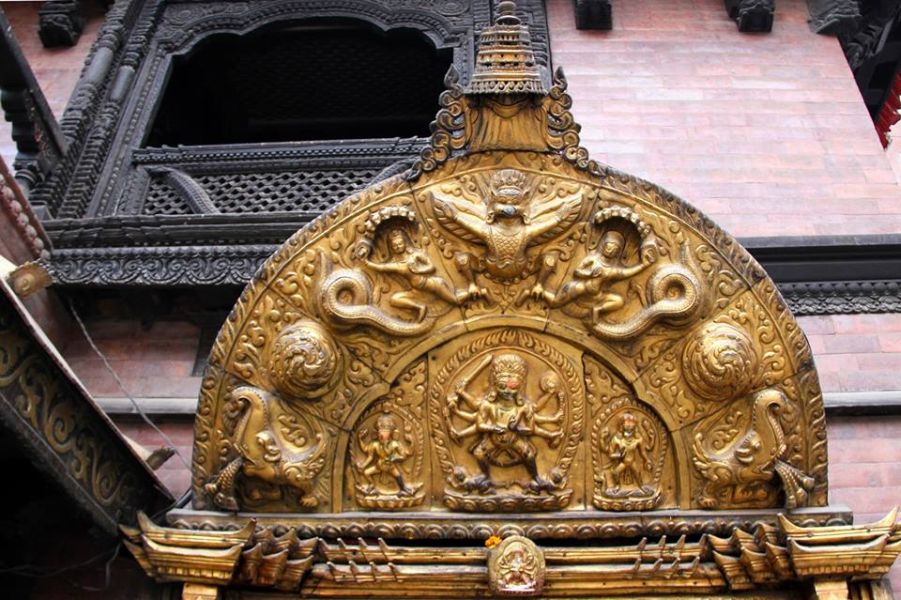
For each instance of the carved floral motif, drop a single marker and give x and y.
(304, 361)
(720, 362)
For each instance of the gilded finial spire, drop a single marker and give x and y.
(505, 63)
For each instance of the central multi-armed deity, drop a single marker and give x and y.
(504, 420)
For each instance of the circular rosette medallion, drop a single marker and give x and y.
(506, 408)
(304, 361)
(720, 362)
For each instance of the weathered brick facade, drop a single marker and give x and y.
(766, 133)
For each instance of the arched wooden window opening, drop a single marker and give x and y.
(319, 80)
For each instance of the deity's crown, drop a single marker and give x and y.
(508, 183)
(507, 364)
(505, 63)
(386, 422)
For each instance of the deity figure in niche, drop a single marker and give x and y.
(628, 458)
(504, 420)
(384, 455)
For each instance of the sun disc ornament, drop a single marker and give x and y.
(304, 361)
(720, 362)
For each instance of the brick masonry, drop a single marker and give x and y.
(765, 133)
(865, 468)
(856, 353)
(174, 474)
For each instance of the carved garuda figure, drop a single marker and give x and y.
(508, 224)
(513, 331)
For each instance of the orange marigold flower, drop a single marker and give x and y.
(492, 542)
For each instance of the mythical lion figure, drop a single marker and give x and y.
(265, 454)
(738, 474)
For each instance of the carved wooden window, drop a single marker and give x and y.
(178, 129)
(313, 80)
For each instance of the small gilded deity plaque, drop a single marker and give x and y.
(516, 568)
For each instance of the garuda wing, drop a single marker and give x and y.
(551, 217)
(464, 219)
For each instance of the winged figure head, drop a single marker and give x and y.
(508, 193)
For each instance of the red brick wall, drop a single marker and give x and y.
(865, 468)
(765, 133)
(180, 431)
(155, 361)
(856, 353)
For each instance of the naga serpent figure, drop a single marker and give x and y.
(595, 273)
(417, 269)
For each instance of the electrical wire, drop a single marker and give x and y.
(107, 572)
(39, 572)
(115, 375)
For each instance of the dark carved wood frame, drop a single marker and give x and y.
(68, 436)
(130, 62)
(97, 190)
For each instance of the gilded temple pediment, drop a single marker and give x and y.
(511, 370)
